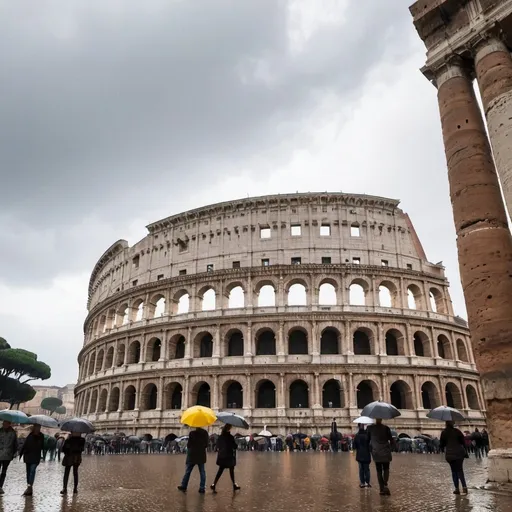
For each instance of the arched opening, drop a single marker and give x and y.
(208, 300)
(329, 341)
(103, 400)
(444, 348)
(183, 304)
(421, 344)
(365, 393)
(235, 342)
(154, 350)
(120, 355)
(139, 311)
(332, 397)
(461, 351)
(113, 403)
(297, 342)
(327, 295)
(234, 397)
(357, 294)
(385, 297)
(266, 395)
(102, 325)
(432, 300)
(206, 345)
(297, 295)
(99, 361)
(413, 297)
(437, 302)
(94, 401)
(266, 296)
(109, 361)
(92, 360)
(453, 396)
(362, 342)
(429, 396)
(266, 343)
(159, 307)
(299, 395)
(122, 315)
(401, 395)
(203, 395)
(134, 353)
(173, 396)
(472, 397)
(129, 399)
(395, 344)
(149, 397)
(179, 351)
(236, 298)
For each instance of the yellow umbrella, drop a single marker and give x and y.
(198, 416)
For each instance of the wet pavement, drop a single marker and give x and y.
(273, 482)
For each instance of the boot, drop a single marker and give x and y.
(212, 487)
(28, 491)
(236, 487)
(63, 492)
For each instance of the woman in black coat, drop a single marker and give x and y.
(72, 448)
(453, 443)
(363, 456)
(226, 456)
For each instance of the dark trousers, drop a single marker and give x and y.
(4, 464)
(31, 473)
(67, 470)
(364, 473)
(458, 472)
(382, 474)
(219, 474)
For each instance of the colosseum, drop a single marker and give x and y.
(290, 309)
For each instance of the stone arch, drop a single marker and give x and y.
(102, 324)
(327, 292)
(453, 395)
(129, 396)
(149, 397)
(232, 395)
(102, 407)
(94, 401)
(330, 341)
(120, 354)
(332, 395)
(177, 346)
(201, 394)
(401, 395)
(429, 395)
(462, 351)
(265, 394)
(297, 341)
(265, 293)
(265, 342)
(203, 345)
(208, 297)
(444, 347)
(173, 396)
(153, 350)
(436, 299)
(234, 343)
(235, 295)
(363, 341)
(414, 297)
(109, 360)
(99, 361)
(92, 361)
(395, 343)
(134, 353)
(157, 306)
(299, 394)
(122, 315)
(421, 344)
(181, 302)
(113, 401)
(358, 292)
(388, 294)
(367, 392)
(472, 397)
(85, 406)
(138, 310)
(296, 293)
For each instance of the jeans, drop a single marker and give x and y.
(364, 473)
(219, 474)
(458, 473)
(382, 474)
(202, 475)
(4, 464)
(67, 470)
(31, 473)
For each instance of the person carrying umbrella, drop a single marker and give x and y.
(72, 448)
(363, 456)
(226, 457)
(8, 449)
(31, 453)
(381, 442)
(452, 442)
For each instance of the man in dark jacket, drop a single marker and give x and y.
(363, 456)
(196, 456)
(453, 444)
(8, 449)
(381, 442)
(31, 452)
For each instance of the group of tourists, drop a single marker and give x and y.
(32, 450)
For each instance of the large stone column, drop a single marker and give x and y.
(493, 66)
(484, 246)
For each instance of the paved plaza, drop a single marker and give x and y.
(273, 482)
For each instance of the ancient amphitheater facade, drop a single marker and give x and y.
(291, 310)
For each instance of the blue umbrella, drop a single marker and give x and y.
(78, 425)
(13, 416)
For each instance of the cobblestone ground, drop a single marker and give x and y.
(273, 482)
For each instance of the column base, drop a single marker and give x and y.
(500, 466)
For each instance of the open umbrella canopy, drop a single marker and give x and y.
(381, 410)
(445, 413)
(43, 420)
(13, 416)
(404, 436)
(364, 420)
(265, 432)
(230, 418)
(198, 416)
(134, 439)
(147, 437)
(170, 437)
(78, 425)
(300, 435)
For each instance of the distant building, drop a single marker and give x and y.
(66, 394)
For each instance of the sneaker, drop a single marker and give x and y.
(362, 486)
(368, 485)
(456, 491)
(236, 487)
(182, 489)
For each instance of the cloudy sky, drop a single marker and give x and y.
(115, 114)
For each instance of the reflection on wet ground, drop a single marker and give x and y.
(273, 482)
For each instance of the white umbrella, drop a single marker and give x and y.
(43, 420)
(265, 432)
(364, 420)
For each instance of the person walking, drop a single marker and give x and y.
(452, 442)
(73, 447)
(226, 457)
(8, 449)
(31, 453)
(381, 442)
(363, 456)
(196, 456)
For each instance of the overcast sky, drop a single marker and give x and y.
(115, 113)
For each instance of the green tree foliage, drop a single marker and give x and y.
(60, 410)
(51, 404)
(15, 393)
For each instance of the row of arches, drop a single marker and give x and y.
(298, 342)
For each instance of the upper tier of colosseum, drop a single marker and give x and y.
(306, 228)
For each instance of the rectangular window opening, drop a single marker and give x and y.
(296, 230)
(236, 264)
(182, 272)
(265, 262)
(384, 263)
(409, 266)
(354, 230)
(209, 267)
(325, 230)
(265, 233)
(296, 261)
(326, 260)
(356, 261)
(159, 277)
(134, 282)
(136, 262)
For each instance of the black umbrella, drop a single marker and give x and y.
(445, 413)
(147, 437)
(404, 436)
(170, 437)
(300, 435)
(381, 410)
